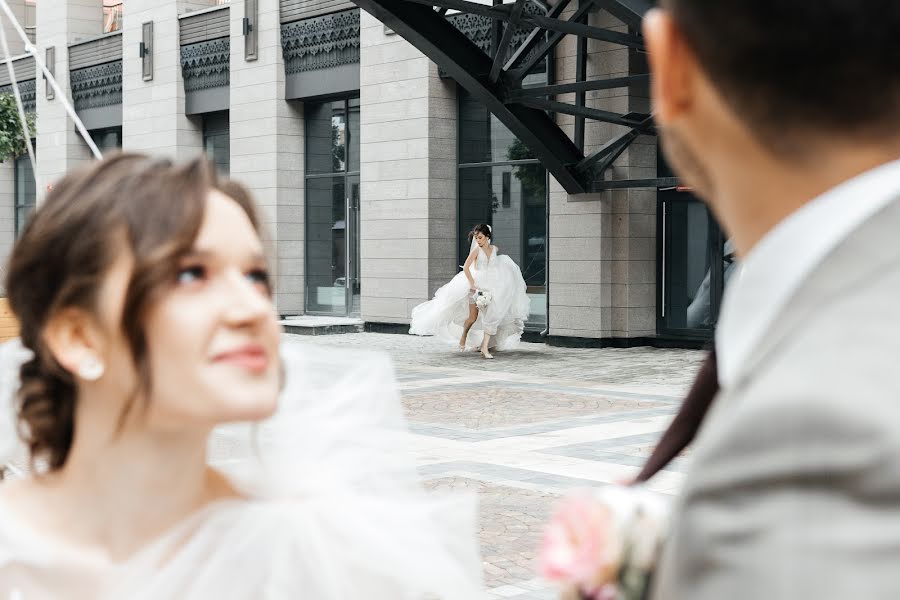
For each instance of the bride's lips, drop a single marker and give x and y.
(251, 357)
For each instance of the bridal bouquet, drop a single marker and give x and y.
(482, 299)
(604, 544)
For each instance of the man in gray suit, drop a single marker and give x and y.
(784, 115)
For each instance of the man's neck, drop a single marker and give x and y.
(757, 193)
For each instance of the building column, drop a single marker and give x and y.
(603, 245)
(408, 174)
(59, 146)
(267, 148)
(153, 119)
(16, 44)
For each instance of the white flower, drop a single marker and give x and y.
(483, 299)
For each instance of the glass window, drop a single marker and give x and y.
(326, 137)
(112, 15)
(107, 140)
(511, 198)
(332, 207)
(217, 140)
(486, 138)
(25, 191)
(697, 263)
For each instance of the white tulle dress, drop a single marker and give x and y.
(335, 510)
(504, 318)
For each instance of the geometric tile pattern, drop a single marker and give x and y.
(526, 427)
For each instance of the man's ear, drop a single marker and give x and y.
(673, 66)
(73, 339)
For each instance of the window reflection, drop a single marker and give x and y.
(511, 196)
(112, 15)
(25, 191)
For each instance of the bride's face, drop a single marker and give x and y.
(481, 239)
(212, 339)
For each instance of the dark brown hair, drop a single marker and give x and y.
(791, 67)
(129, 202)
(481, 228)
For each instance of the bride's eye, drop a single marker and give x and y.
(191, 274)
(260, 277)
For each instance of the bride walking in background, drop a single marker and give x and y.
(484, 306)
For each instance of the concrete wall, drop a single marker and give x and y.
(153, 118)
(408, 174)
(16, 44)
(60, 148)
(267, 148)
(602, 246)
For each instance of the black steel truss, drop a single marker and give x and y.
(495, 75)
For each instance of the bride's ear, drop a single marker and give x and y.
(72, 338)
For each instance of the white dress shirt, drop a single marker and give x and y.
(773, 270)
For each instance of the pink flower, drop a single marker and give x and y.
(582, 546)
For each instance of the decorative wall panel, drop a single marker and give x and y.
(96, 86)
(321, 42)
(205, 65)
(27, 90)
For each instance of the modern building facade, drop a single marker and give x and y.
(370, 162)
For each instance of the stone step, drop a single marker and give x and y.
(316, 325)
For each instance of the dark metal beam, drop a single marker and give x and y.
(578, 86)
(508, 33)
(462, 60)
(535, 36)
(612, 156)
(552, 41)
(660, 182)
(580, 75)
(612, 145)
(595, 33)
(630, 12)
(591, 113)
(504, 11)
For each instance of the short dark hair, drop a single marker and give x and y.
(791, 67)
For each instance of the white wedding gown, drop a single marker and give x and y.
(335, 510)
(504, 318)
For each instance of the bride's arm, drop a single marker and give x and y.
(472, 255)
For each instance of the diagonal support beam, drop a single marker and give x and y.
(630, 12)
(551, 43)
(612, 156)
(453, 52)
(606, 149)
(535, 36)
(579, 86)
(591, 113)
(506, 40)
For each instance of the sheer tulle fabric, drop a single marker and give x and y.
(504, 318)
(335, 510)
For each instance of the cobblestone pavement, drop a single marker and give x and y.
(522, 429)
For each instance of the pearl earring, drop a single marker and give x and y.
(91, 369)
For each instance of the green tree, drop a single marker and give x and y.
(529, 176)
(12, 141)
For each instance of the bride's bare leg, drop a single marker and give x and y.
(484, 346)
(473, 316)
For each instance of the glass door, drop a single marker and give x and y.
(332, 208)
(694, 266)
(353, 262)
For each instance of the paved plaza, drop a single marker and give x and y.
(522, 429)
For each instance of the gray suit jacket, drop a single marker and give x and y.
(794, 489)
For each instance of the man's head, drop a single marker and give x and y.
(783, 78)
